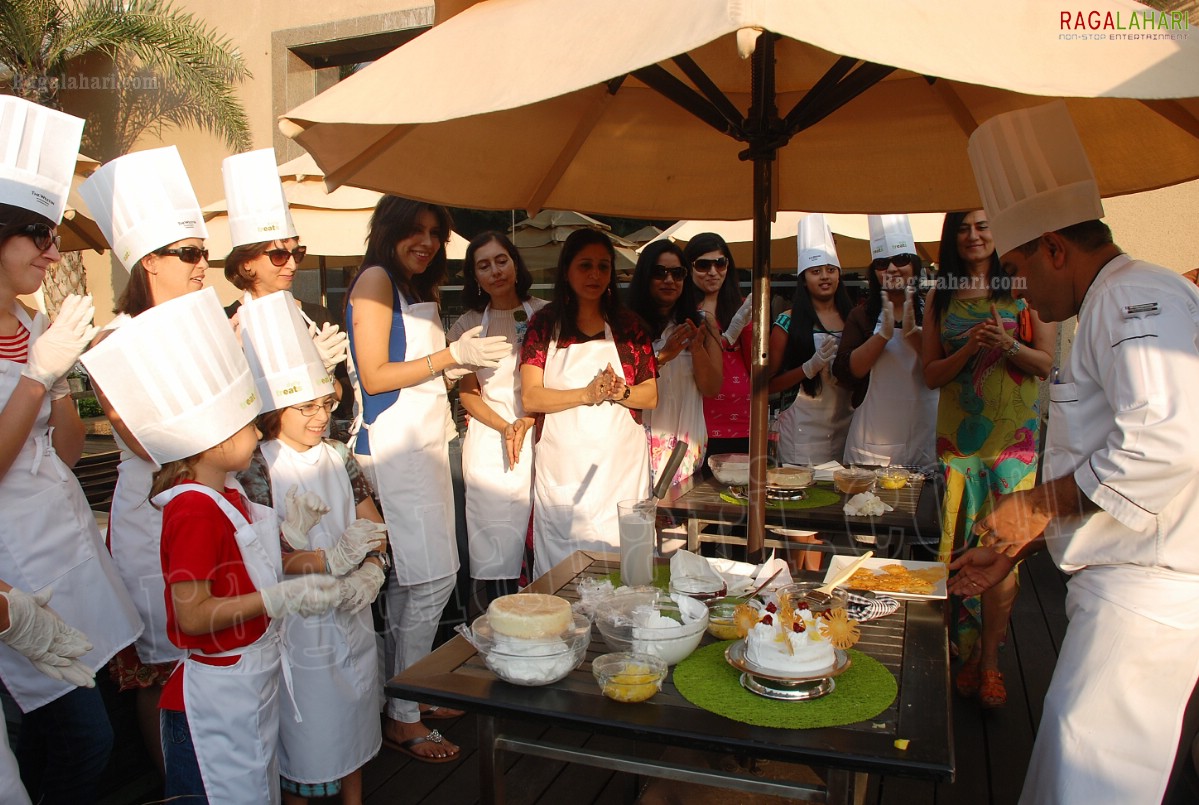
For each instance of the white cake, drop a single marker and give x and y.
(529, 615)
(789, 652)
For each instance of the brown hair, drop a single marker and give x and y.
(270, 424)
(136, 297)
(172, 473)
(235, 263)
(13, 218)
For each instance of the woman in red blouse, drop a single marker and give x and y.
(588, 365)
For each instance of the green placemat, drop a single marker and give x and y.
(816, 498)
(661, 577)
(706, 680)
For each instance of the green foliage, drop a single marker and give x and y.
(88, 407)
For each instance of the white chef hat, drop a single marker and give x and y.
(890, 235)
(38, 147)
(258, 209)
(142, 202)
(285, 363)
(177, 377)
(815, 241)
(1032, 174)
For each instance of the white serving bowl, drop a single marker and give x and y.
(731, 469)
(632, 623)
(531, 662)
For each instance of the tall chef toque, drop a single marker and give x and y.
(815, 241)
(1032, 174)
(284, 361)
(258, 209)
(143, 201)
(177, 377)
(890, 235)
(38, 147)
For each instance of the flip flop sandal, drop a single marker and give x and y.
(969, 678)
(992, 693)
(436, 712)
(406, 748)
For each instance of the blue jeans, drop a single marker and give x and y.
(183, 778)
(63, 748)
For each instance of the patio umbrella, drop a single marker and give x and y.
(79, 231)
(540, 238)
(812, 105)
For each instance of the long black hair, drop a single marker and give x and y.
(641, 301)
(874, 293)
(954, 273)
(473, 296)
(801, 341)
(564, 306)
(728, 298)
(393, 220)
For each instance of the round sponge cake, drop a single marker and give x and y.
(530, 615)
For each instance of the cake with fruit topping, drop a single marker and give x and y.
(792, 640)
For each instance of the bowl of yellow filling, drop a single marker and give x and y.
(892, 477)
(629, 676)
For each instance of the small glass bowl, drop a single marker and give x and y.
(721, 622)
(892, 477)
(629, 676)
(853, 480)
(799, 590)
(701, 588)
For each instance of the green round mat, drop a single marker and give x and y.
(816, 498)
(661, 577)
(706, 680)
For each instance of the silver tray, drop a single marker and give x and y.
(772, 492)
(773, 685)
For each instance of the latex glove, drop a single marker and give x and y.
(312, 594)
(480, 352)
(55, 351)
(822, 358)
(60, 389)
(456, 373)
(303, 512)
(359, 539)
(331, 343)
(359, 588)
(886, 326)
(910, 326)
(740, 319)
(37, 632)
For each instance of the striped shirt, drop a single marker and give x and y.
(15, 347)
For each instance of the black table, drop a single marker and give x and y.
(911, 643)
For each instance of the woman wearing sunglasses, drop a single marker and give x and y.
(687, 348)
(159, 236)
(497, 453)
(727, 413)
(983, 351)
(894, 420)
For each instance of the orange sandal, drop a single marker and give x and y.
(991, 691)
(968, 678)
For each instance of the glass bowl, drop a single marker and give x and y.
(852, 480)
(652, 623)
(797, 591)
(629, 676)
(730, 469)
(530, 661)
(701, 588)
(892, 477)
(790, 477)
(721, 623)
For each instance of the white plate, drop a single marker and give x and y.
(838, 562)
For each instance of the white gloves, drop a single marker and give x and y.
(481, 352)
(740, 319)
(331, 343)
(359, 539)
(303, 512)
(359, 588)
(60, 389)
(822, 357)
(55, 351)
(456, 373)
(51, 645)
(909, 311)
(886, 326)
(312, 594)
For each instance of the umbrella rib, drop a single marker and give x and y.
(710, 91)
(568, 152)
(953, 102)
(336, 178)
(1176, 114)
(674, 90)
(851, 86)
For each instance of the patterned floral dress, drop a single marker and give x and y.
(987, 428)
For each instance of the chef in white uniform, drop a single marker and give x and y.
(333, 655)
(896, 421)
(1119, 504)
(48, 536)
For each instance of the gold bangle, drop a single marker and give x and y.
(429, 362)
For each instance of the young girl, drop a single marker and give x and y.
(181, 384)
(335, 673)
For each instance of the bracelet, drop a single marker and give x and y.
(1013, 349)
(429, 363)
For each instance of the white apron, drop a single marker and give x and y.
(233, 710)
(333, 656)
(411, 462)
(498, 496)
(589, 458)
(49, 538)
(679, 415)
(897, 422)
(812, 431)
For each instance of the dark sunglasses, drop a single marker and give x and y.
(279, 256)
(899, 260)
(42, 235)
(186, 254)
(704, 266)
(676, 273)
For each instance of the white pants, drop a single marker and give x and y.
(413, 613)
(1114, 708)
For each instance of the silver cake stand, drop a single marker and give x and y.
(773, 685)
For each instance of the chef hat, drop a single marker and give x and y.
(177, 377)
(890, 235)
(38, 147)
(1032, 174)
(285, 363)
(258, 209)
(142, 202)
(816, 246)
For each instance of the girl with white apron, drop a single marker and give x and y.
(679, 415)
(812, 430)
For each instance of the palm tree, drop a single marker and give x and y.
(163, 67)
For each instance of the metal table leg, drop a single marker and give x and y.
(491, 776)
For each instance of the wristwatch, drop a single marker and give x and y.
(384, 559)
(1013, 349)
(628, 390)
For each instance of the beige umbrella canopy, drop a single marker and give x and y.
(78, 231)
(540, 238)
